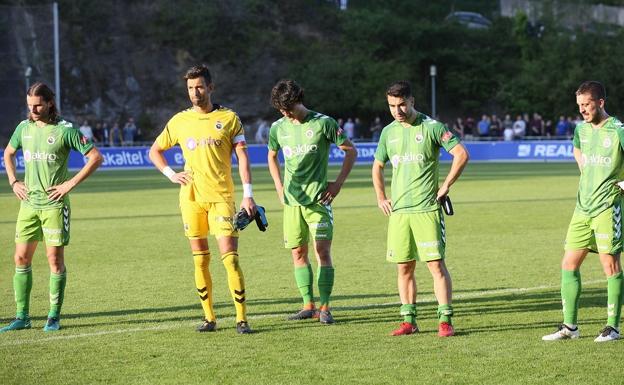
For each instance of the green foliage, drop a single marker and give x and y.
(131, 305)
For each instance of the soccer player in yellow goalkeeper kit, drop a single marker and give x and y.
(207, 134)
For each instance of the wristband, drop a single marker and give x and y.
(247, 191)
(168, 172)
(15, 181)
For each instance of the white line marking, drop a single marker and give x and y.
(424, 299)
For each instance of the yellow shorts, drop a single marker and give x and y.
(203, 218)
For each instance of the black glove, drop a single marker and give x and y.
(447, 206)
(242, 219)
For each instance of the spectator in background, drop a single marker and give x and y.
(129, 132)
(484, 126)
(536, 125)
(495, 126)
(115, 138)
(105, 134)
(519, 128)
(508, 132)
(562, 127)
(375, 129)
(507, 123)
(349, 128)
(358, 129)
(97, 132)
(549, 129)
(470, 126)
(262, 132)
(340, 122)
(86, 130)
(458, 127)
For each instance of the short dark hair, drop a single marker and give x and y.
(199, 71)
(400, 89)
(594, 88)
(43, 91)
(286, 94)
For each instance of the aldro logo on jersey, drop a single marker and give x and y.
(408, 157)
(39, 156)
(596, 160)
(299, 150)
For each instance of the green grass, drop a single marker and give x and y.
(131, 307)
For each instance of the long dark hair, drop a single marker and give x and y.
(42, 90)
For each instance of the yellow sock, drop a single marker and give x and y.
(203, 282)
(236, 282)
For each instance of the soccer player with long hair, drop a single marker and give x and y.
(46, 141)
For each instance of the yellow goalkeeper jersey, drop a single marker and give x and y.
(207, 141)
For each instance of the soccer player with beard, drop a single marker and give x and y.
(596, 224)
(416, 229)
(46, 141)
(208, 134)
(305, 137)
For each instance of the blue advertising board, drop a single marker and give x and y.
(528, 151)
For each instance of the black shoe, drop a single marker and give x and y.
(243, 328)
(303, 314)
(207, 326)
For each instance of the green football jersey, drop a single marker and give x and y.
(414, 153)
(305, 148)
(46, 152)
(602, 166)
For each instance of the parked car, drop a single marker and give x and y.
(471, 20)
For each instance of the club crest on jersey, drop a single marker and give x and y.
(51, 139)
(607, 143)
(83, 140)
(309, 134)
(446, 136)
(191, 144)
(218, 125)
(419, 138)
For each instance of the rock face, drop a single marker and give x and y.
(125, 59)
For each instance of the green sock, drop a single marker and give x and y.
(570, 294)
(614, 299)
(22, 284)
(445, 312)
(408, 311)
(304, 279)
(325, 277)
(57, 292)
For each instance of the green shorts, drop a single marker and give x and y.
(600, 234)
(51, 225)
(416, 237)
(300, 221)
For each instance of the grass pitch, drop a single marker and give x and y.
(131, 306)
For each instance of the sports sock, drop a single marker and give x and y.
(325, 282)
(22, 284)
(408, 311)
(445, 312)
(304, 278)
(236, 283)
(203, 282)
(57, 293)
(570, 294)
(614, 299)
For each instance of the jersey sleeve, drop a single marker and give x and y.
(381, 153)
(16, 138)
(333, 132)
(167, 137)
(445, 137)
(576, 140)
(620, 133)
(238, 132)
(273, 142)
(76, 140)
